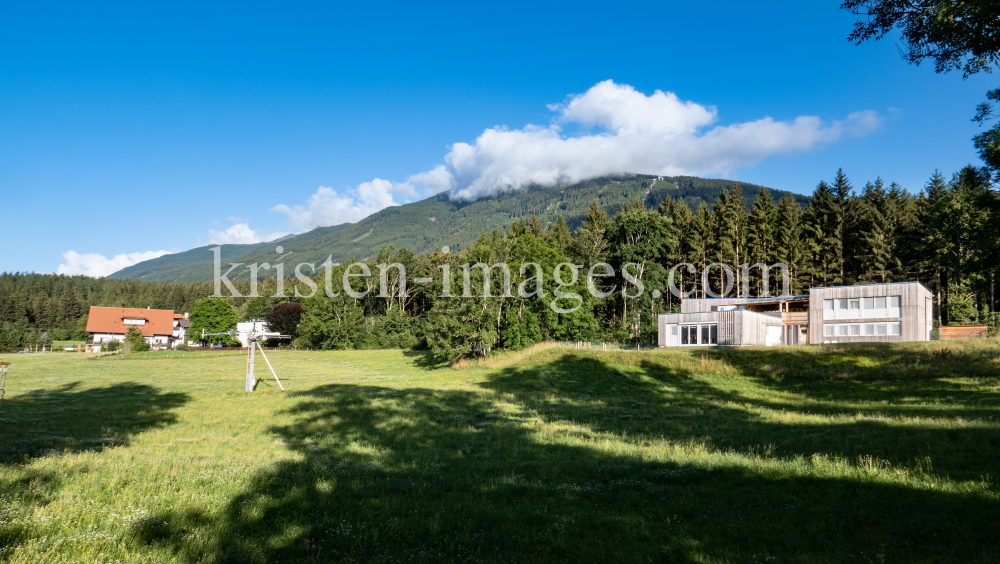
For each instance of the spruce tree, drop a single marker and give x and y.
(680, 218)
(844, 224)
(701, 242)
(591, 238)
(822, 227)
(559, 236)
(731, 233)
(876, 248)
(761, 231)
(791, 244)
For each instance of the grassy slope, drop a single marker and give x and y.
(881, 453)
(432, 223)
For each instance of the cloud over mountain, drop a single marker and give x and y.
(97, 265)
(655, 134)
(621, 130)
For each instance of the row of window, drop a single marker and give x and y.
(886, 306)
(701, 334)
(862, 329)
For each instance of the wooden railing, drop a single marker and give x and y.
(795, 317)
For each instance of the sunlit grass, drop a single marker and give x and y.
(823, 454)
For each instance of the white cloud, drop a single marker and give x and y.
(329, 207)
(240, 234)
(96, 265)
(655, 134)
(436, 180)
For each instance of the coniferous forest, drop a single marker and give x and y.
(946, 236)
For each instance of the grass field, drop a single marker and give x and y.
(863, 453)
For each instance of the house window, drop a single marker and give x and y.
(854, 330)
(896, 328)
(879, 303)
(854, 304)
(894, 309)
(828, 305)
(867, 304)
(842, 304)
(702, 334)
(880, 329)
(869, 329)
(139, 322)
(828, 330)
(842, 330)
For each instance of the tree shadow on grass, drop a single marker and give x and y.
(67, 419)
(426, 359)
(908, 380)
(429, 476)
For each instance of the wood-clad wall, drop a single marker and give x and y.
(735, 327)
(916, 301)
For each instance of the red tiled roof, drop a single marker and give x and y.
(110, 320)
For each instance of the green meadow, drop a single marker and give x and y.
(860, 453)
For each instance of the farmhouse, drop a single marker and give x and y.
(839, 314)
(160, 327)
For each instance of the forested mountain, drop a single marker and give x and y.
(435, 222)
(947, 237)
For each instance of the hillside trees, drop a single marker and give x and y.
(947, 236)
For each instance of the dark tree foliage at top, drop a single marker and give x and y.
(284, 318)
(955, 34)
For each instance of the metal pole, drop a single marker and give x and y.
(3, 370)
(251, 381)
(269, 366)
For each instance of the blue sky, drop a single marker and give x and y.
(132, 129)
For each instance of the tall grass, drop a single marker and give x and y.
(872, 453)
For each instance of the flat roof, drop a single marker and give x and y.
(770, 299)
(858, 285)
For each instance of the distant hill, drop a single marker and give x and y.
(437, 221)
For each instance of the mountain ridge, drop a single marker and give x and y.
(436, 221)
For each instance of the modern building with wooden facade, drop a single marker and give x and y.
(839, 314)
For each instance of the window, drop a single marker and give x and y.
(828, 330)
(673, 330)
(869, 329)
(867, 303)
(896, 328)
(134, 321)
(880, 329)
(841, 304)
(879, 303)
(828, 305)
(854, 304)
(854, 330)
(704, 334)
(895, 301)
(842, 330)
